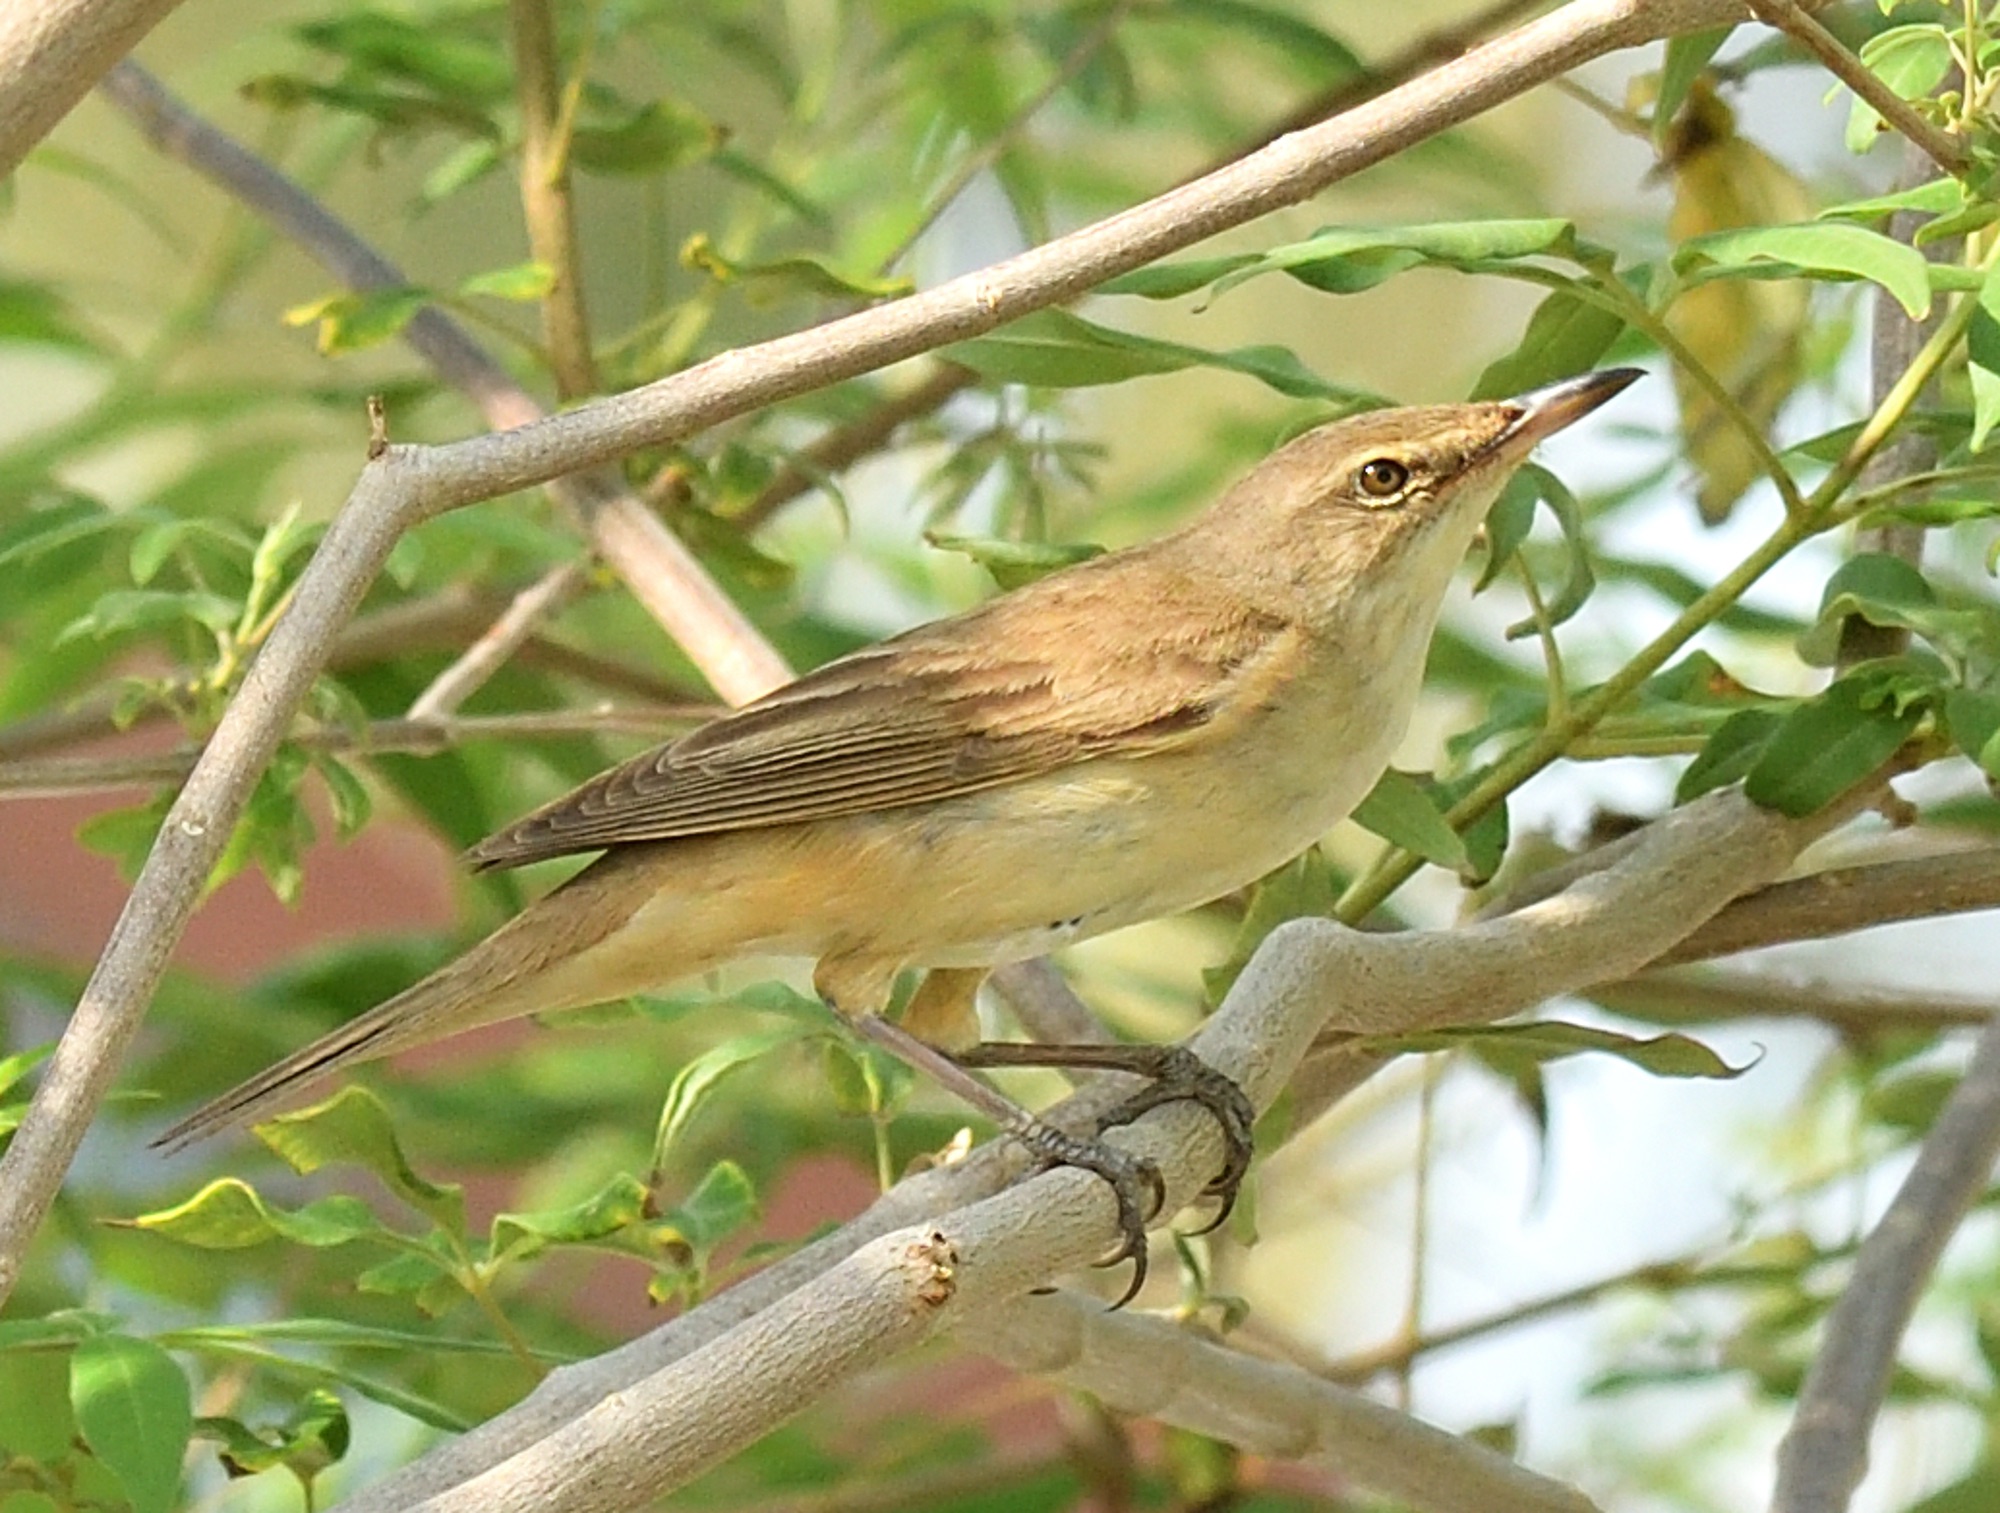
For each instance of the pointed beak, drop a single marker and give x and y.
(1543, 412)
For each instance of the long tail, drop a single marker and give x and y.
(528, 966)
(426, 1010)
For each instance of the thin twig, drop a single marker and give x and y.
(842, 447)
(989, 152)
(545, 597)
(1824, 1454)
(1946, 150)
(63, 777)
(546, 205)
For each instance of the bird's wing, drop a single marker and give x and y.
(949, 708)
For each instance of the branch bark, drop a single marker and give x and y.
(52, 53)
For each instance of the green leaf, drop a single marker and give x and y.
(1822, 250)
(1578, 579)
(1911, 60)
(352, 1128)
(1510, 1047)
(721, 1204)
(788, 277)
(229, 1214)
(659, 136)
(134, 1410)
(16, 1066)
(124, 611)
(347, 793)
(525, 282)
(1982, 353)
(1303, 886)
(59, 521)
(1054, 349)
(1565, 336)
(1400, 810)
(1934, 197)
(350, 322)
(1172, 280)
(1729, 753)
(1827, 744)
(34, 314)
(701, 1076)
(1013, 563)
(616, 1206)
(313, 1436)
(440, 57)
(1973, 716)
(1885, 590)
(1350, 259)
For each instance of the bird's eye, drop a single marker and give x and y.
(1382, 478)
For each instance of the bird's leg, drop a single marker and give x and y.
(1172, 1073)
(1134, 1181)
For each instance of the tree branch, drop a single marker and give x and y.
(1147, 1366)
(546, 205)
(1824, 1454)
(51, 54)
(1946, 150)
(58, 777)
(515, 627)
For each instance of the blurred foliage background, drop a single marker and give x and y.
(1603, 1248)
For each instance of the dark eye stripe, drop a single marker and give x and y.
(1382, 478)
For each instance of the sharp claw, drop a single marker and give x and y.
(1131, 1180)
(1179, 1074)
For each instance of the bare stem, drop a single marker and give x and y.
(1825, 1452)
(545, 597)
(1943, 148)
(546, 204)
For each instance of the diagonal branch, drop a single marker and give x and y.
(1825, 1452)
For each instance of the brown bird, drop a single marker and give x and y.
(1125, 739)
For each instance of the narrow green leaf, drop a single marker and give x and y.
(350, 322)
(352, 1128)
(1013, 563)
(1973, 716)
(1565, 336)
(1825, 746)
(661, 135)
(618, 1205)
(135, 1411)
(1982, 352)
(1402, 812)
(1935, 197)
(1823, 249)
(1911, 60)
(700, 1077)
(1885, 590)
(1729, 754)
(788, 277)
(524, 282)
(229, 1214)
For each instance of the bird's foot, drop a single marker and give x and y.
(1172, 1073)
(1135, 1183)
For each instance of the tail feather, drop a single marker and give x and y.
(419, 1013)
